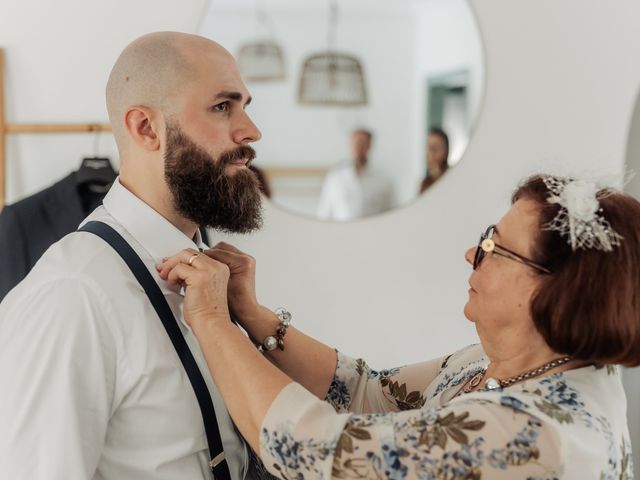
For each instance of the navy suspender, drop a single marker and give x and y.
(218, 463)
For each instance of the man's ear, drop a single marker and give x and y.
(143, 126)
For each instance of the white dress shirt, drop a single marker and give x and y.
(90, 384)
(348, 195)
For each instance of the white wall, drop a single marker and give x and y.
(58, 56)
(561, 83)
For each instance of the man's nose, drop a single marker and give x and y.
(247, 131)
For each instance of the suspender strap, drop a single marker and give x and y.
(218, 463)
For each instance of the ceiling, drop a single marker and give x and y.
(363, 5)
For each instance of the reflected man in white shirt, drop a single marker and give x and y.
(354, 190)
(92, 387)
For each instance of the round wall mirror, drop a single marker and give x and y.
(632, 185)
(631, 376)
(363, 105)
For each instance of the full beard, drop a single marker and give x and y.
(203, 193)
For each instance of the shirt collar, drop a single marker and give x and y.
(159, 237)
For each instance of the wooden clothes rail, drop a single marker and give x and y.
(295, 171)
(51, 128)
(18, 128)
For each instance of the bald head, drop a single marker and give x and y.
(151, 72)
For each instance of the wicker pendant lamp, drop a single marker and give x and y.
(331, 77)
(262, 61)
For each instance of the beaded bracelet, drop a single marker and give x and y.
(277, 341)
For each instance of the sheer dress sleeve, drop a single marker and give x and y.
(375, 425)
(356, 388)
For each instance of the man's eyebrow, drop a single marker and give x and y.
(236, 96)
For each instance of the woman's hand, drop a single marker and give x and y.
(205, 281)
(242, 283)
(247, 381)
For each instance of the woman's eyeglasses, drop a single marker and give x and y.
(487, 245)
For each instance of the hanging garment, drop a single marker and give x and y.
(30, 226)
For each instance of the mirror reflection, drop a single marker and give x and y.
(363, 106)
(353, 189)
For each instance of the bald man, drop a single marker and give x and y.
(92, 387)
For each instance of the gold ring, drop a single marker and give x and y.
(193, 258)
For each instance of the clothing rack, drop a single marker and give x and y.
(51, 128)
(18, 128)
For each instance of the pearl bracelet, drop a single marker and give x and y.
(277, 341)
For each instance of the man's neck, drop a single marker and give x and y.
(185, 226)
(163, 205)
(360, 165)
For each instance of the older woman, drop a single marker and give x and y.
(555, 297)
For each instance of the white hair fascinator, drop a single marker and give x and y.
(580, 218)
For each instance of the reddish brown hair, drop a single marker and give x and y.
(589, 307)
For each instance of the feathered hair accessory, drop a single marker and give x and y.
(580, 218)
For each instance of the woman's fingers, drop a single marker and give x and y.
(235, 261)
(205, 281)
(189, 264)
(223, 256)
(228, 248)
(182, 257)
(180, 274)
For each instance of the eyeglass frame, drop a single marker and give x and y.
(487, 245)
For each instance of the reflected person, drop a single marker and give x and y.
(555, 299)
(354, 189)
(437, 157)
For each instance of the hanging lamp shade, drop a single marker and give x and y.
(332, 78)
(261, 61)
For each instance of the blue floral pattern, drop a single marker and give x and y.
(339, 395)
(520, 450)
(450, 380)
(296, 459)
(523, 431)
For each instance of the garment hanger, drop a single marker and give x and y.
(96, 171)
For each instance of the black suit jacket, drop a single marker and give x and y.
(29, 227)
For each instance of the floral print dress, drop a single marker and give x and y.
(408, 423)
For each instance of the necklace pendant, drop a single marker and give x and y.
(492, 384)
(474, 382)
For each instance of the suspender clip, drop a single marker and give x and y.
(217, 460)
